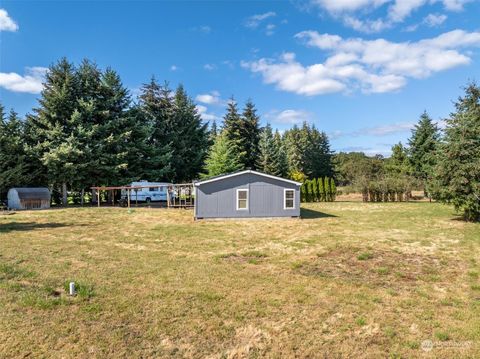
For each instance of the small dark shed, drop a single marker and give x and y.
(247, 194)
(28, 198)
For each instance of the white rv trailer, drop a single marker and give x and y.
(148, 191)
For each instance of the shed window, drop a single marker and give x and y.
(289, 199)
(242, 199)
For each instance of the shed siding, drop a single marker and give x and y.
(265, 199)
(28, 198)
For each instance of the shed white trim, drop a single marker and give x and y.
(243, 199)
(244, 172)
(285, 190)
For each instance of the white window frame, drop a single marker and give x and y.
(285, 198)
(248, 197)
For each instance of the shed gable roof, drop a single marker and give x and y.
(228, 175)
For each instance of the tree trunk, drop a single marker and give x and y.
(64, 193)
(82, 194)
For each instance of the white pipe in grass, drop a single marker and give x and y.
(72, 288)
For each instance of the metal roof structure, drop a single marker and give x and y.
(33, 193)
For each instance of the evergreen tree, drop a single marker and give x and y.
(250, 133)
(222, 157)
(321, 190)
(13, 158)
(102, 106)
(156, 109)
(56, 128)
(326, 188)
(267, 157)
(294, 150)
(308, 151)
(333, 189)
(280, 155)
(233, 128)
(458, 169)
(190, 139)
(315, 190)
(318, 156)
(213, 132)
(423, 145)
(398, 163)
(310, 191)
(303, 192)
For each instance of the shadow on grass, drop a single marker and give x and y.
(28, 226)
(307, 213)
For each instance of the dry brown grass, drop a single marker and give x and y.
(349, 280)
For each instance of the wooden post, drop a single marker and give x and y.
(64, 194)
(128, 199)
(98, 198)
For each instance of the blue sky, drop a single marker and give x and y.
(361, 70)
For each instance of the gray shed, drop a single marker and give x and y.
(247, 194)
(28, 198)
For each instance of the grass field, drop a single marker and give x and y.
(349, 280)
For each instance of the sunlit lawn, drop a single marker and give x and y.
(348, 280)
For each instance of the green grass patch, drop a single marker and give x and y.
(365, 256)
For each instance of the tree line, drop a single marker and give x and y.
(87, 130)
(444, 163)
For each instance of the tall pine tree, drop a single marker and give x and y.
(233, 129)
(280, 155)
(222, 157)
(13, 157)
(56, 128)
(458, 169)
(190, 138)
(267, 157)
(250, 133)
(156, 108)
(423, 145)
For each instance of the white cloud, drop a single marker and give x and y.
(270, 29)
(355, 13)
(209, 67)
(6, 22)
(31, 82)
(173, 68)
(385, 130)
(455, 5)
(205, 115)
(211, 98)
(255, 20)
(433, 20)
(372, 66)
(339, 6)
(368, 26)
(203, 28)
(288, 117)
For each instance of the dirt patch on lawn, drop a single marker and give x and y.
(253, 257)
(380, 268)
